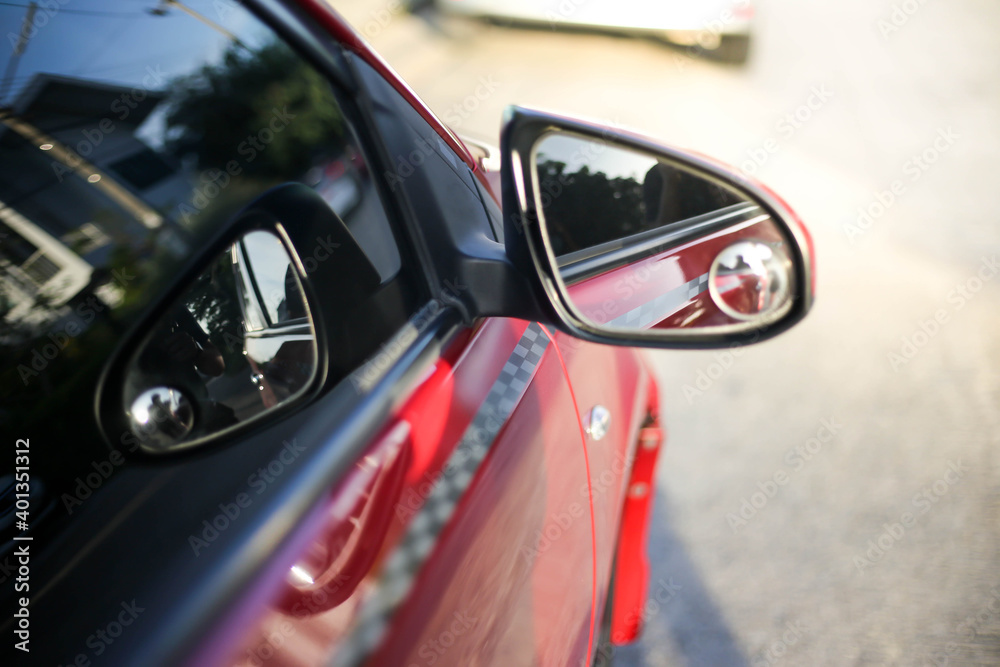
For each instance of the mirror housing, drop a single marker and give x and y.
(333, 282)
(753, 240)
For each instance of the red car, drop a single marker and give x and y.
(256, 415)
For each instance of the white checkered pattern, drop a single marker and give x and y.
(403, 564)
(662, 306)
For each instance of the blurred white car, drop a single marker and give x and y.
(721, 27)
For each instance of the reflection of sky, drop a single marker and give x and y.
(577, 152)
(269, 262)
(114, 42)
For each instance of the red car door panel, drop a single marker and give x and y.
(612, 378)
(487, 558)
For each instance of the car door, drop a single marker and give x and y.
(487, 556)
(415, 495)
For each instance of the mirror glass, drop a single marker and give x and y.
(642, 242)
(238, 343)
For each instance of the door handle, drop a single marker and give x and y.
(358, 519)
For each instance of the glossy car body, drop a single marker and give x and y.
(447, 489)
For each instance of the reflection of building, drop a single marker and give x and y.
(77, 182)
(33, 264)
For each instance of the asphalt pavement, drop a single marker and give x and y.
(832, 496)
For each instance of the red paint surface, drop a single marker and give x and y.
(590, 497)
(512, 579)
(617, 379)
(632, 570)
(604, 297)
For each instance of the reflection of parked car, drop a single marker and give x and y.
(339, 184)
(720, 27)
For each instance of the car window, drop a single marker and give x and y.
(129, 136)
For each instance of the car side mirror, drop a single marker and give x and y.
(239, 342)
(635, 243)
(265, 314)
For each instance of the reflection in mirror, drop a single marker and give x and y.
(749, 279)
(239, 342)
(644, 243)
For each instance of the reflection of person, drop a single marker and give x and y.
(164, 423)
(293, 305)
(188, 343)
(181, 355)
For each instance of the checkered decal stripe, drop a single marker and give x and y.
(403, 564)
(662, 306)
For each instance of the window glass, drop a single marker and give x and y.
(130, 133)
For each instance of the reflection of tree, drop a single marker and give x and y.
(584, 208)
(268, 110)
(587, 208)
(210, 300)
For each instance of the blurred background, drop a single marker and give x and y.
(879, 122)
